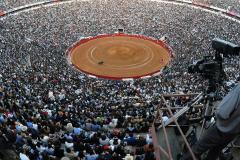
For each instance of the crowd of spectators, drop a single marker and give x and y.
(10, 4)
(50, 111)
(224, 4)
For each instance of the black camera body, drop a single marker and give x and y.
(209, 67)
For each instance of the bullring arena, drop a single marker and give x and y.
(120, 56)
(71, 88)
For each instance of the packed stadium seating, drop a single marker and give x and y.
(48, 110)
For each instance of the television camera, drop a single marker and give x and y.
(211, 67)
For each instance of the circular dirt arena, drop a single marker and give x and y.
(119, 56)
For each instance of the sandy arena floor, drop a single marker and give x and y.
(119, 56)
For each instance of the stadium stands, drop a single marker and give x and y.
(48, 110)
